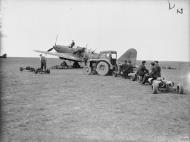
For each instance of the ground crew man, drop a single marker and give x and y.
(43, 62)
(85, 59)
(72, 44)
(142, 70)
(123, 66)
(158, 69)
(152, 74)
(127, 68)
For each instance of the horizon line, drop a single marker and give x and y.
(137, 59)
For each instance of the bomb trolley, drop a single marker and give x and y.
(36, 71)
(165, 86)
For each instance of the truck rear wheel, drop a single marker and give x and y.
(102, 68)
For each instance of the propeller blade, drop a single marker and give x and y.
(50, 49)
(93, 51)
(56, 39)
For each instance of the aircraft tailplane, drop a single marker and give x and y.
(130, 54)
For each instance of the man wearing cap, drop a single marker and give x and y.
(152, 74)
(142, 70)
(43, 62)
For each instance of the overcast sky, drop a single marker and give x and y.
(155, 31)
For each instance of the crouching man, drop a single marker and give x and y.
(127, 68)
(141, 71)
(152, 74)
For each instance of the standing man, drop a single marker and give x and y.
(43, 62)
(85, 59)
(158, 69)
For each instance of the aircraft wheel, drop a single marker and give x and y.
(87, 70)
(179, 89)
(155, 87)
(102, 68)
(21, 69)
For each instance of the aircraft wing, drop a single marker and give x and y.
(66, 56)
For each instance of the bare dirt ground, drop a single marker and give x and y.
(68, 106)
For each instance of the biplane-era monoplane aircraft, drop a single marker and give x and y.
(70, 52)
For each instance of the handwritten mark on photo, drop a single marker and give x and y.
(172, 6)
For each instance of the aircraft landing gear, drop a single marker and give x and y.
(76, 65)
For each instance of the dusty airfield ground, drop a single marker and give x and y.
(70, 106)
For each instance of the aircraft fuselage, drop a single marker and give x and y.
(63, 49)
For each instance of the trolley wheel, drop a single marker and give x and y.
(155, 87)
(48, 71)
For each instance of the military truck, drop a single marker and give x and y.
(105, 64)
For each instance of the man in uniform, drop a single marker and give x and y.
(158, 69)
(152, 74)
(43, 62)
(127, 68)
(123, 66)
(142, 70)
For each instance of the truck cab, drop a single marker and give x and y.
(110, 56)
(104, 64)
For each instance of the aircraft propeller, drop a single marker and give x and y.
(50, 49)
(54, 45)
(56, 39)
(93, 51)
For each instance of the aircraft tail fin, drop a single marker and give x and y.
(130, 54)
